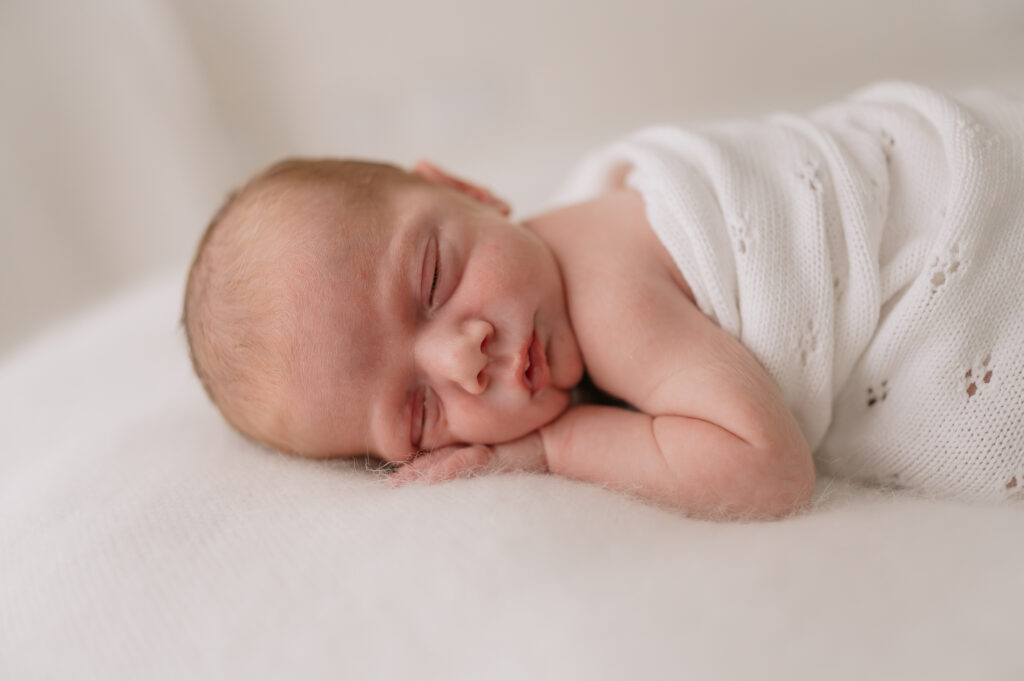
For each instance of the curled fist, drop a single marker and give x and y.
(461, 461)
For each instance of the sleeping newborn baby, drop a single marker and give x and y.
(845, 283)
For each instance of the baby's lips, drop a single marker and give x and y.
(538, 375)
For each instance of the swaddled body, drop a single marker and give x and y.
(869, 256)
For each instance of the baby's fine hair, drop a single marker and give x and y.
(238, 306)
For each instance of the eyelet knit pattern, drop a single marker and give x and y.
(869, 254)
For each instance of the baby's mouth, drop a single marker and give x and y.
(536, 373)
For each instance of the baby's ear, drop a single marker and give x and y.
(429, 171)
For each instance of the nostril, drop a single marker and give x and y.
(481, 379)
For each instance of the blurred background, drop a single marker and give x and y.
(125, 122)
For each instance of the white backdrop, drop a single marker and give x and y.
(124, 122)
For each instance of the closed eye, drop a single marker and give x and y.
(419, 419)
(423, 421)
(431, 272)
(437, 271)
(427, 413)
(441, 266)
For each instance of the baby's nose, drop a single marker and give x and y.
(461, 355)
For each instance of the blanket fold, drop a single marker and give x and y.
(869, 255)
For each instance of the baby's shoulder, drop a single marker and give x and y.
(607, 244)
(630, 307)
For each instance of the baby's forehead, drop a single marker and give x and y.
(314, 217)
(329, 253)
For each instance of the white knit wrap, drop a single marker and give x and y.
(871, 256)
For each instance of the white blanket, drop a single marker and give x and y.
(868, 254)
(140, 538)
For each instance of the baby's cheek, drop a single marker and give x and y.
(565, 361)
(551, 403)
(498, 424)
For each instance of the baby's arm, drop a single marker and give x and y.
(713, 435)
(684, 462)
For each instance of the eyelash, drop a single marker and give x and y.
(437, 271)
(417, 441)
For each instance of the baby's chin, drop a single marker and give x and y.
(555, 402)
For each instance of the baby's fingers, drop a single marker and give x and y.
(443, 464)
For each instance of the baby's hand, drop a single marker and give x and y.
(457, 461)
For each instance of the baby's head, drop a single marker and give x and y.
(339, 308)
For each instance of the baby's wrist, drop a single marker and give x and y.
(557, 435)
(549, 436)
(524, 454)
(539, 456)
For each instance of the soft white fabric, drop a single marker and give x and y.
(868, 255)
(141, 539)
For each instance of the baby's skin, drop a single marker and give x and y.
(436, 333)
